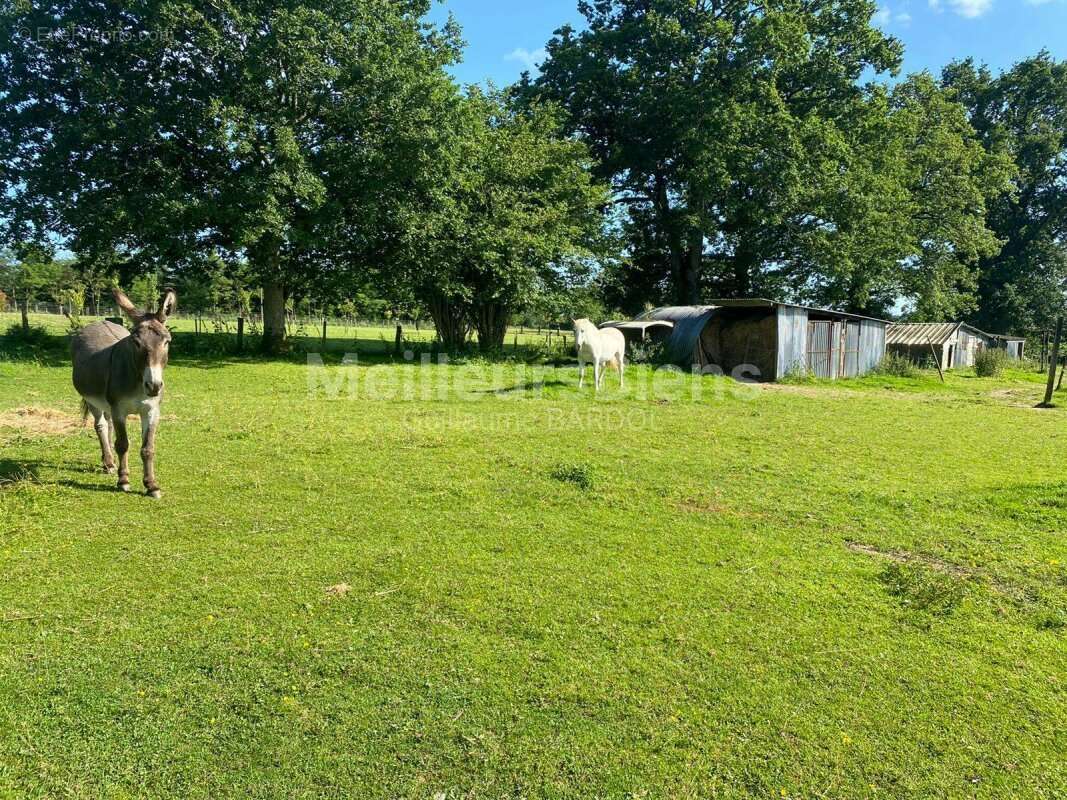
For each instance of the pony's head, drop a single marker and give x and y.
(581, 327)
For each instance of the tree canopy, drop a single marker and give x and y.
(1021, 113)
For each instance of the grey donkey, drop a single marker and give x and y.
(119, 373)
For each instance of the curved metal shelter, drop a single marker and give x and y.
(762, 339)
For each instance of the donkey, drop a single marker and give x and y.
(117, 374)
(602, 347)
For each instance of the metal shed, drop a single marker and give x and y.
(953, 344)
(763, 339)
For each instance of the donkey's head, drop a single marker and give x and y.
(151, 339)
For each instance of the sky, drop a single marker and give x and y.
(504, 37)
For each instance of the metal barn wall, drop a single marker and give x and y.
(871, 345)
(792, 340)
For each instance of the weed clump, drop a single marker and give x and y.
(922, 589)
(990, 363)
(897, 366)
(581, 475)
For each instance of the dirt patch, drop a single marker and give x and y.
(339, 590)
(1019, 398)
(32, 421)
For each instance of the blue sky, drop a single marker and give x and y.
(506, 37)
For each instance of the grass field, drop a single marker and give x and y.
(505, 588)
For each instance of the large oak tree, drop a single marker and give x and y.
(282, 133)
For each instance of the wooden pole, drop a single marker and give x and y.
(399, 339)
(1053, 361)
(323, 331)
(937, 361)
(240, 334)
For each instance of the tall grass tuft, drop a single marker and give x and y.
(990, 363)
(896, 365)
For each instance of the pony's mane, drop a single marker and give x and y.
(586, 325)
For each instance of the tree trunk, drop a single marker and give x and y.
(492, 322)
(273, 317)
(744, 265)
(693, 268)
(26, 314)
(451, 322)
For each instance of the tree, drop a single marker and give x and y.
(716, 119)
(521, 213)
(904, 217)
(26, 271)
(280, 133)
(1021, 113)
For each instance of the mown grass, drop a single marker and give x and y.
(689, 589)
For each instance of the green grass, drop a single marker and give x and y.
(847, 590)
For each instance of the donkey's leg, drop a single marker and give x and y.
(103, 433)
(149, 423)
(122, 447)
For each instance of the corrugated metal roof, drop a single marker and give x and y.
(639, 325)
(688, 321)
(762, 302)
(908, 333)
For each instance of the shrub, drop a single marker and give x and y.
(798, 373)
(896, 365)
(581, 475)
(648, 352)
(990, 363)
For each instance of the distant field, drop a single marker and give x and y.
(472, 580)
(370, 337)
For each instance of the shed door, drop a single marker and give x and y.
(824, 348)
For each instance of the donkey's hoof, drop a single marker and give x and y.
(124, 487)
(155, 494)
(109, 469)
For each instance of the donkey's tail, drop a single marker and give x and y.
(85, 412)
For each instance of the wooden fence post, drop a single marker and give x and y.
(1053, 363)
(240, 334)
(323, 331)
(399, 339)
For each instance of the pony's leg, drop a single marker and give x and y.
(598, 370)
(103, 433)
(122, 447)
(622, 369)
(581, 373)
(149, 423)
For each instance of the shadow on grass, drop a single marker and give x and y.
(528, 386)
(15, 471)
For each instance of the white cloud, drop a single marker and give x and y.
(885, 15)
(967, 8)
(528, 58)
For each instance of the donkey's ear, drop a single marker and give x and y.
(166, 305)
(126, 304)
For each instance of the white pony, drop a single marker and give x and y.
(602, 347)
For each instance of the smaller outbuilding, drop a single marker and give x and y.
(951, 344)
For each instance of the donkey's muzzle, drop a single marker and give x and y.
(152, 388)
